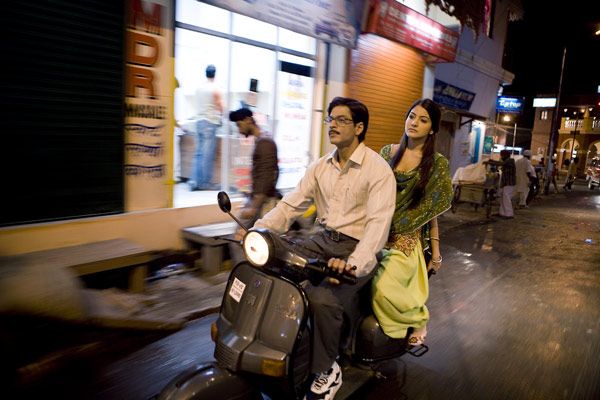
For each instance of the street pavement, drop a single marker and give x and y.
(515, 314)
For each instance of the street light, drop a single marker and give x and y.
(553, 129)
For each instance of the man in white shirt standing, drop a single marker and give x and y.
(525, 174)
(210, 110)
(354, 191)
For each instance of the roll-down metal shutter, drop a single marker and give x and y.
(62, 100)
(388, 78)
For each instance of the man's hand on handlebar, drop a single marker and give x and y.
(239, 234)
(340, 266)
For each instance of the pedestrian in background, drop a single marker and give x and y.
(525, 174)
(508, 181)
(209, 105)
(571, 174)
(265, 170)
(400, 287)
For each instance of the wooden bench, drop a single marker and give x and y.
(209, 237)
(91, 258)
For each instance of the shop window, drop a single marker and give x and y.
(199, 14)
(194, 52)
(251, 62)
(254, 29)
(295, 41)
(260, 66)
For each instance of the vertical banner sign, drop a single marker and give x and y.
(148, 110)
(293, 124)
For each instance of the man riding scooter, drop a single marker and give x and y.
(354, 191)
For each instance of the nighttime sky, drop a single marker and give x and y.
(535, 45)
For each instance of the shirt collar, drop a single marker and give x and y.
(357, 156)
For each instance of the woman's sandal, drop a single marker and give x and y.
(417, 337)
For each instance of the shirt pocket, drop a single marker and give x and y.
(356, 195)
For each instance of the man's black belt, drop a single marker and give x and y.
(335, 235)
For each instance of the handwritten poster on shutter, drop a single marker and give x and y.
(148, 105)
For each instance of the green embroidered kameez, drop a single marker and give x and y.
(400, 285)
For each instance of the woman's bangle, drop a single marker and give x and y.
(439, 261)
(435, 238)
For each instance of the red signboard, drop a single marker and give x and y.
(395, 21)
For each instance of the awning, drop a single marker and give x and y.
(468, 116)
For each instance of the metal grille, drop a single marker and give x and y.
(62, 95)
(225, 356)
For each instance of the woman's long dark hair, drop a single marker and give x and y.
(426, 164)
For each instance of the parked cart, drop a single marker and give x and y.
(477, 185)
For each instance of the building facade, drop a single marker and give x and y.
(286, 73)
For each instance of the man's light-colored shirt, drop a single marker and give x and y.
(205, 103)
(357, 201)
(523, 170)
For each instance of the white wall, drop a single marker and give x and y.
(154, 229)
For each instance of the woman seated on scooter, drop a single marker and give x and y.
(424, 191)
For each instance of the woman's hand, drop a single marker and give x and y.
(435, 263)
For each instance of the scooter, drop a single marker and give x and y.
(263, 335)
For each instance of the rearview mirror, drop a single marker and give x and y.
(224, 202)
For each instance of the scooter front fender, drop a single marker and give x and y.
(209, 382)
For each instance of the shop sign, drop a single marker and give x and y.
(448, 95)
(513, 105)
(335, 21)
(488, 144)
(544, 102)
(395, 21)
(148, 99)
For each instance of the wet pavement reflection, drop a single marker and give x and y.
(515, 314)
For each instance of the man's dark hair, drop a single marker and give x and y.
(239, 115)
(211, 70)
(359, 112)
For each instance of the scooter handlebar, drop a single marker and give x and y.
(321, 267)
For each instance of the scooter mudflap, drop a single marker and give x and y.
(418, 351)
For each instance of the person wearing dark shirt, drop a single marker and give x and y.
(265, 170)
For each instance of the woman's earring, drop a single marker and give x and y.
(431, 133)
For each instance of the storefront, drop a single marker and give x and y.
(391, 65)
(260, 65)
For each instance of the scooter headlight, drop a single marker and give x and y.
(257, 248)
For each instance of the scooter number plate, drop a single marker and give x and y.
(237, 289)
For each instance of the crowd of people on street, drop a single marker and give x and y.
(521, 181)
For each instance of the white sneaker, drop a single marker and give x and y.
(326, 384)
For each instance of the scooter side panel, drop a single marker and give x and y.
(254, 308)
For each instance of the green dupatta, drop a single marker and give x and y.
(436, 199)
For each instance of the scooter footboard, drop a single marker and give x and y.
(208, 381)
